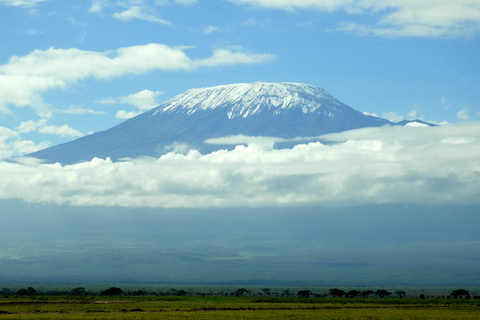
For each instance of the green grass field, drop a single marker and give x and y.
(215, 307)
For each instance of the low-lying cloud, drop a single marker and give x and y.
(411, 165)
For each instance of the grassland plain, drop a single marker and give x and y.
(216, 307)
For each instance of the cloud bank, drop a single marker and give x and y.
(409, 165)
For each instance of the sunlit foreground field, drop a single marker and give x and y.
(189, 307)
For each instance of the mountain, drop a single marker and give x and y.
(285, 110)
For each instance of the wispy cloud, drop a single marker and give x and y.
(43, 127)
(463, 114)
(223, 57)
(142, 100)
(33, 32)
(76, 110)
(137, 12)
(98, 5)
(408, 165)
(394, 18)
(328, 5)
(210, 29)
(21, 3)
(186, 2)
(123, 114)
(23, 79)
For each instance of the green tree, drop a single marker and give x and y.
(336, 292)
(240, 292)
(352, 293)
(366, 293)
(382, 293)
(113, 291)
(400, 294)
(304, 293)
(266, 291)
(181, 293)
(459, 293)
(26, 292)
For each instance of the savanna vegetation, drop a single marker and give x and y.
(235, 303)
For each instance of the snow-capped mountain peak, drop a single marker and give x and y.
(246, 99)
(284, 110)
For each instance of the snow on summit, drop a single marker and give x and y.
(245, 99)
(282, 110)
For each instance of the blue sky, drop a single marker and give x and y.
(69, 68)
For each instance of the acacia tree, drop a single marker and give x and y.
(336, 292)
(459, 293)
(382, 293)
(266, 291)
(26, 292)
(113, 291)
(304, 293)
(240, 292)
(352, 293)
(366, 293)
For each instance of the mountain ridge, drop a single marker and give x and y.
(285, 110)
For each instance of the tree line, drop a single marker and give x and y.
(240, 292)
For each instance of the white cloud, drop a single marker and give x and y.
(328, 5)
(242, 139)
(76, 110)
(63, 131)
(12, 145)
(30, 125)
(143, 100)
(227, 57)
(370, 114)
(395, 18)
(410, 165)
(210, 29)
(98, 5)
(6, 134)
(123, 114)
(21, 3)
(463, 114)
(43, 127)
(186, 2)
(23, 79)
(137, 12)
(32, 32)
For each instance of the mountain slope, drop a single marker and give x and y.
(286, 110)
